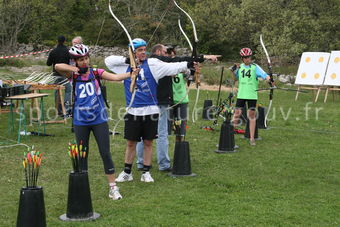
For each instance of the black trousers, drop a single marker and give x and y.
(101, 134)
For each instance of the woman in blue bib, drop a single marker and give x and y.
(89, 111)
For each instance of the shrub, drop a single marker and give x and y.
(14, 62)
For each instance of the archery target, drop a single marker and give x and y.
(333, 71)
(312, 68)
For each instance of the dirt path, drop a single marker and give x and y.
(29, 70)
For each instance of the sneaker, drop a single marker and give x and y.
(146, 177)
(114, 193)
(124, 177)
(166, 170)
(252, 142)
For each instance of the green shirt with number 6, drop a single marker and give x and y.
(179, 89)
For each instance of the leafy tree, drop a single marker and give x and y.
(13, 18)
(289, 27)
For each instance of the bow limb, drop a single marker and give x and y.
(193, 47)
(198, 85)
(184, 34)
(194, 54)
(132, 54)
(122, 25)
(271, 80)
(192, 22)
(196, 101)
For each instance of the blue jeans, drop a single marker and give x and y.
(68, 97)
(162, 143)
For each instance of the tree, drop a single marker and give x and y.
(13, 18)
(289, 27)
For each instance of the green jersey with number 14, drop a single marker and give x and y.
(247, 82)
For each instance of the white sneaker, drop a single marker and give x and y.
(124, 177)
(114, 193)
(146, 177)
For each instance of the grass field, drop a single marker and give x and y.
(290, 178)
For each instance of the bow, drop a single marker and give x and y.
(194, 74)
(224, 106)
(217, 109)
(271, 80)
(133, 65)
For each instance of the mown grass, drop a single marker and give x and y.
(291, 178)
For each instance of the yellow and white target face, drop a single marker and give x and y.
(333, 71)
(312, 68)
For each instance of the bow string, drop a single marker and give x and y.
(132, 52)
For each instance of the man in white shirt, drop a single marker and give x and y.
(141, 119)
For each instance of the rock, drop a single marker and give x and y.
(283, 79)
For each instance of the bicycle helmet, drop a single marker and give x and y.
(138, 43)
(78, 51)
(246, 52)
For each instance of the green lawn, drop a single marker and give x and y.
(291, 178)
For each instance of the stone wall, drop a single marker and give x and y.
(96, 51)
(100, 51)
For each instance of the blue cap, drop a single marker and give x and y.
(138, 43)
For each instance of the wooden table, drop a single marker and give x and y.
(22, 113)
(36, 88)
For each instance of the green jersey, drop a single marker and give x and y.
(179, 89)
(247, 82)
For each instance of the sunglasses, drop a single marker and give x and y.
(246, 56)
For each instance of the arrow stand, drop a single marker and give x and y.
(182, 165)
(79, 204)
(31, 208)
(227, 140)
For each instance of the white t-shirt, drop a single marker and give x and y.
(158, 69)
